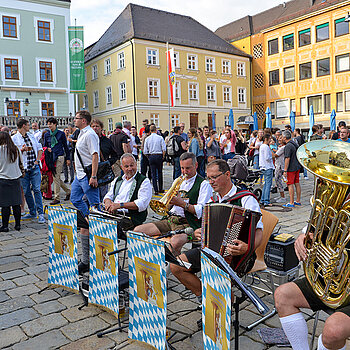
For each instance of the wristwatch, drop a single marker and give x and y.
(121, 205)
(94, 177)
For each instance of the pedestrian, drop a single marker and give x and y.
(179, 146)
(279, 166)
(56, 142)
(86, 153)
(142, 130)
(68, 169)
(10, 184)
(183, 134)
(291, 169)
(315, 135)
(241, 145)
(343, 134)
(300, 140)
(154, 150)
(228, 145)
(145, 168)
(336, 134)
(197, 148)
(107, 152)
(258, 142)
(121, 144)
(31, 151)
(36, 131)
(136, 143)
(213, 147)
(267, 167)
(251, 147)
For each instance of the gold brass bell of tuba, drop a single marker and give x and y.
(327, 241)
(162, 206)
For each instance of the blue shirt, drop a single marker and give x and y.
(61, 148)
(184, 136)
(154, 144)
(194, 148)
(348, 140)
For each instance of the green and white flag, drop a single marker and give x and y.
(76, 59)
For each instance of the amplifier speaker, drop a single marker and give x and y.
(280, 255)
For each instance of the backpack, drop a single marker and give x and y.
(238, 167)
(172, 147)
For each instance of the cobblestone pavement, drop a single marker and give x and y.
(51, 320)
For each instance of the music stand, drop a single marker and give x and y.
(246, 291)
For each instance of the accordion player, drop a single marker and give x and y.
(219, 177)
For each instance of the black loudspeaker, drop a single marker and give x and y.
(281, 255)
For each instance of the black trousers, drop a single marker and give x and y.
(156, 165)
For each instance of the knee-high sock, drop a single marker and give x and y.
(5, 215)
(16, 209)
(320, 345)
(295, 328)
(85, 245)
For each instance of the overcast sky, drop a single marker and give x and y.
(97, 16)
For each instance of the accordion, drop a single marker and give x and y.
(222, 223)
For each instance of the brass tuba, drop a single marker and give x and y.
(327, 241)
(162, 206)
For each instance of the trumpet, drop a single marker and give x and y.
(162, 206)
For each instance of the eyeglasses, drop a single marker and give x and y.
(213, 178)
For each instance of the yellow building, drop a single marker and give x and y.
(301, 57)
(126, 72)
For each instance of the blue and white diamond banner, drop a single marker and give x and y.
(103, 281)
(63, 252)
(147, 288)
(216, 306)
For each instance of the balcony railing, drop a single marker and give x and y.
(11, 121)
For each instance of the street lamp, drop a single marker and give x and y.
(26, 101)
(7, 101)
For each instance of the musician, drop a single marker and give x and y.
(219, 177)
(187, 208)
(130, 193)
(292, 296)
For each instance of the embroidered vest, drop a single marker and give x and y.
(137, 217)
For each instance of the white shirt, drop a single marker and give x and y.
(265, 157)
(205, 192)
(132, 144)
(87, 144)
(18, 140)
(227, 148)
(37, 134)
(143, 197)
(154, 144)
(248, 202)
(279, 162)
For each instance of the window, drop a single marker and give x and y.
(123, 118)
(47, 109)
(177, 60)
(241, 95)
(192, 62)
(11, 68)
(121, 60)
(108, 66)
(341, 27)
(193, 91)
(96, 101)
(288, 42)
(122, 91)
(339, 102)
(342, 63)
(9, 27)
(327, 103)
(303, 110)
(272, 109)
(289, 74)
(45, 71)
(226, 67)
(305, 71)
(44, 33)
(241, 69)
(292, 105)
(108, 95)
(94, 72)
(177, 90)
(273, 46)
(226, 120)
(274, 77)
(14, 108)
(85, 75)
(175, 120)
(153, 88)
(347, 100)
(304, 37)
(282, 108)
(85, 102)
(110, 124)
(227, 94)
(209, 64)
(316, 102)
(211, 92)
(155, 119)
(152, 57)
(322, 32)
(323, 67)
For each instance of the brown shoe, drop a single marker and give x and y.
(55, 201)
(67, 198)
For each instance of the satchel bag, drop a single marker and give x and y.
(251, 152)
(104, 174)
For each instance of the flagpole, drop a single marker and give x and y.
(167, 70)
(75, 95)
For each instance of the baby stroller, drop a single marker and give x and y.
(243, 177)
